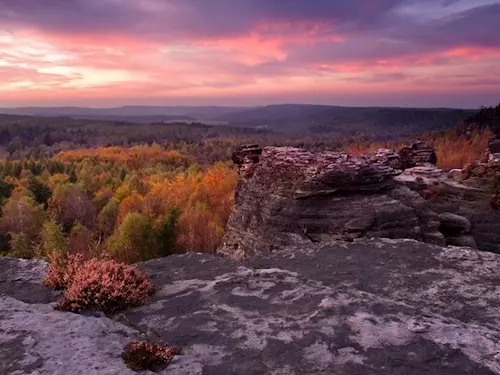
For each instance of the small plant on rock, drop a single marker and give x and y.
(97, 284)
(106, 285)
(145, 355)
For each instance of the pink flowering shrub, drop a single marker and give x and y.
(145, 355)
(106, 285)
(62, 270)
(97, 284)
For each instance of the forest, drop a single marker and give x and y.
(134, 192)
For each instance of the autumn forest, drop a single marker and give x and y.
(134, 192)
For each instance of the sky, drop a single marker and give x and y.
(430, 53)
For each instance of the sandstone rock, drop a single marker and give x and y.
(454, 225)
(362, 308)
(462, 241)
(294, 196)
(22, 279)
(36, 339)
(455, 175)
(417, 153)
(386, 157)
(245, 157)
(494, 149)
(470, 194)
(494, 145)
(422, 176)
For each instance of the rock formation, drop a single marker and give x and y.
(362, 308)
(494, 145)
(416, 153)
(473, 195)
(288, 196)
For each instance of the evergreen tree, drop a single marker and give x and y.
(166, 233)
(40, 190)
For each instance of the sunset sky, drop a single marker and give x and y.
(247, 52)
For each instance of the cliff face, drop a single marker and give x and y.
(288, 196)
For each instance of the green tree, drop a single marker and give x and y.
(166, 233)
(134, 241)
(7, 169)
(17, 168)
(40, 190)
(52, 239)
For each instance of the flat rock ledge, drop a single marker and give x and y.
(372, 306)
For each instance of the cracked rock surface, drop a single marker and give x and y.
(373, 306)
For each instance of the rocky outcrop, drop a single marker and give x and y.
(362, 308)
(287, 196)
(494, 145)
(417, 153)
(473, 195)
(413, 154)
(494, 149)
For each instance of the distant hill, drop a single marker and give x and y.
(58, 133)
(289, 119)
(377, 122)
(138, 114)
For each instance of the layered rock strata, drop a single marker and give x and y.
(288, 196)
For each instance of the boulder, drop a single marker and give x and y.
(417, 153)
(372, 306)
(462, 241)
(454, 225)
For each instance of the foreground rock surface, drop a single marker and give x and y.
(362, 308)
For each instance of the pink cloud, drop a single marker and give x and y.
(271, 56)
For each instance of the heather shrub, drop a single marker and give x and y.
(145, 355)
(104, 285)
(62, 270)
